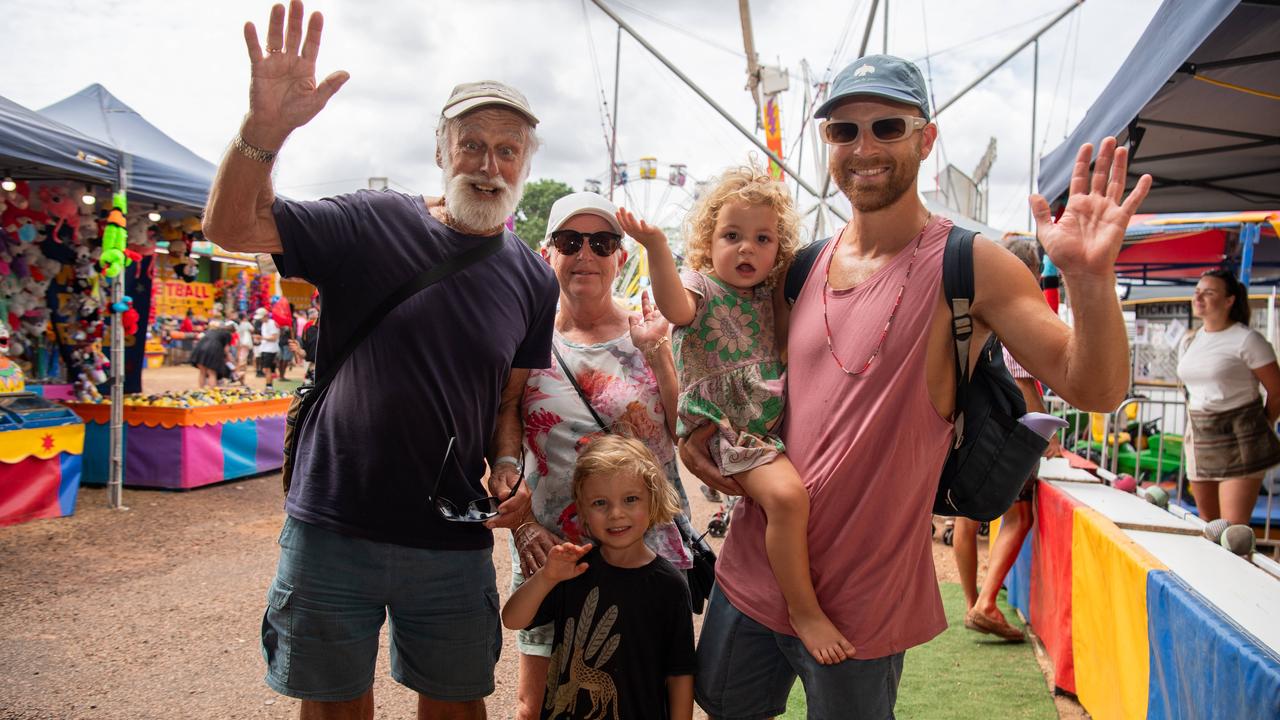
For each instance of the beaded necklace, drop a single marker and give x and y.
(826, 285)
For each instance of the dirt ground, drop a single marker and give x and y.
(155, 611)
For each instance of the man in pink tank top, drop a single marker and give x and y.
(872, 391)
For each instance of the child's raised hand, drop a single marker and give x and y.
(562, 562)
(644, 233)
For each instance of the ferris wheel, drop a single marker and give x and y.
(660, 192)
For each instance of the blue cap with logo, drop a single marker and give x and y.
(883, 76)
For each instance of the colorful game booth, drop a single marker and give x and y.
(1140, 614)
(41, 456)
(179, 444)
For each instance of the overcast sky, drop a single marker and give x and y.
(182, 65)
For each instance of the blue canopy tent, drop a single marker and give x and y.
(158, 169)
(1198, 103)
(34, 147)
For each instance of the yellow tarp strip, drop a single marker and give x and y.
(1109, 618)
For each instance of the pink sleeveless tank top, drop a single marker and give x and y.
(870, 449)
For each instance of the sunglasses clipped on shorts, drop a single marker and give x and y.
(473, 512)
(569, 242)
(886, 129)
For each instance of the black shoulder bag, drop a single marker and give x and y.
(308, 395)
(703, 573)
(993, 453)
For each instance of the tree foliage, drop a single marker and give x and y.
(535, 205)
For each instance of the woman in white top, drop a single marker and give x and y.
(1232, 436)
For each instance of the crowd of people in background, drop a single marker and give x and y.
(225, 348)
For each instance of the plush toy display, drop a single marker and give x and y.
(58, 203)
(199, 398)
(11, 375)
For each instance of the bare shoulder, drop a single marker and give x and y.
(999, 276)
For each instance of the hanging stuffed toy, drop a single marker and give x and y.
(18, 218)
(185, 267)
(57, 202)
(115, 237)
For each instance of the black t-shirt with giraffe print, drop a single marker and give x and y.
(620, 633)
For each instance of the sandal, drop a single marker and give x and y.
(1001, 628)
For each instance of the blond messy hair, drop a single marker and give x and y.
(618, 455)
(745, 184)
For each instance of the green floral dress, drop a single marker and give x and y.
(730, 372)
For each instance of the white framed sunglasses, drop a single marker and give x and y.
(893, 128)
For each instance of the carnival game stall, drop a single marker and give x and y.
(1140, 614)
(180, 441)
(40, 449)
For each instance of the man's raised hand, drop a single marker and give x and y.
(283, 94)
(1088, 236)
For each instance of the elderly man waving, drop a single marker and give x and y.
(383, 515)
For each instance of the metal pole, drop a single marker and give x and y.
(1008, 57)
(1035, 87)
(885, 22)
(866, 32)
(115, 478)
(716, 106)
(613, 141)
(1249, 235)
(753, 67)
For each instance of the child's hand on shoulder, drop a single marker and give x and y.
(644, 233)
(562, 562)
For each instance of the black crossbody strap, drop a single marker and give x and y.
(420, 282)
(568, 373)
(957, 282)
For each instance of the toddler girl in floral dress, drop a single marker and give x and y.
(741, 236)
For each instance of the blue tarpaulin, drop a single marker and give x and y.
(1192, 102)
(34, 147)
(158, 168)
(1202, 664)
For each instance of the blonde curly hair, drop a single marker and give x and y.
(746, 184)
(619, 455)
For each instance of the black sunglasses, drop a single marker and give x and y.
(569, 242)
(473, 512)
(886, 129)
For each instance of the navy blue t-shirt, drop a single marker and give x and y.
(434, 367)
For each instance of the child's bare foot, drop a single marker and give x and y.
(821, 638)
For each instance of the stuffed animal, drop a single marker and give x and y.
(58, 202)
(114, 238)
(11, 376)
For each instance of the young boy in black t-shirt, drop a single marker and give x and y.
(623, 624)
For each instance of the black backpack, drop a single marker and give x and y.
(993, 454)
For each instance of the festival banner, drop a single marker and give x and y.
(175, 297)
(772, 133)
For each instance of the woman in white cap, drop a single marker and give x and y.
(622, 362)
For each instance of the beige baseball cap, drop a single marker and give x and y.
(469, 96)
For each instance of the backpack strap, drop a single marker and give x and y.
(957, 283)
(800, 268)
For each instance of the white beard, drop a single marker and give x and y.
(475, 210)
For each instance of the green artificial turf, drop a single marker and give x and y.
(962, 674)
